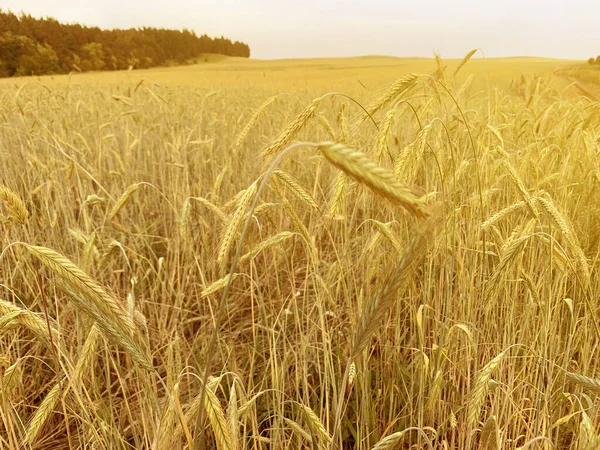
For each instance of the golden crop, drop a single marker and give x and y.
(365, 253)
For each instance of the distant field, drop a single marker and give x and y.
(315, 74)
(366, 253)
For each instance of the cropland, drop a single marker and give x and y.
(366, 253)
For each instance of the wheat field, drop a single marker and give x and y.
(364, 253)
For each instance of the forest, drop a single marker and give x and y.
(32, 46)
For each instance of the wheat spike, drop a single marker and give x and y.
(233, 224)
(467, 57)
(384, 134)
(263, 208)
(87, 354)
(375, 310)
(406, 163)
(480, 390)
(591, 384)
(93, 300)
(41, 414)
(315, 424)
(381, 181)
(510, 252)
(520, 185)
(296, 188)
(214, 208)
(253, 120)
(497, 217)
(489, 435)
(297, 429)
(339, 194)
(233, 416)
(16, 209)
(267, 244)
(31, 321)
(565, 227)
(341, 120)
(389, 442)
(326, 125)
(384, 229)
(396, 89)
(218, 285)
(184, 219)
(292, 129)
(351, 374)
(297, 221)
(217, 420)
(11, 378)
(122, 200)
(588, 439)
(166, 429)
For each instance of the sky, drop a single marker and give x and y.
(324, 28)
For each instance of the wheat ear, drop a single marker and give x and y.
(41, 415)
(480, 390)
(467, 57)
(31, 321)
(396, 89)
(15, 207)
(124, 198)
(489, 435)
(381, 181)
(591, 384)
(296, 188)
(267, 244)
(218, 285)
(252, 121)
(293, 128)
(384, 134)
(233, 224)
(93, 300)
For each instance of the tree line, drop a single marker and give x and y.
(595, 60)
(30, 46)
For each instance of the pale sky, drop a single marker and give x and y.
(316, 28)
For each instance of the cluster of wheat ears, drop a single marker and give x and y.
(413, 271)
